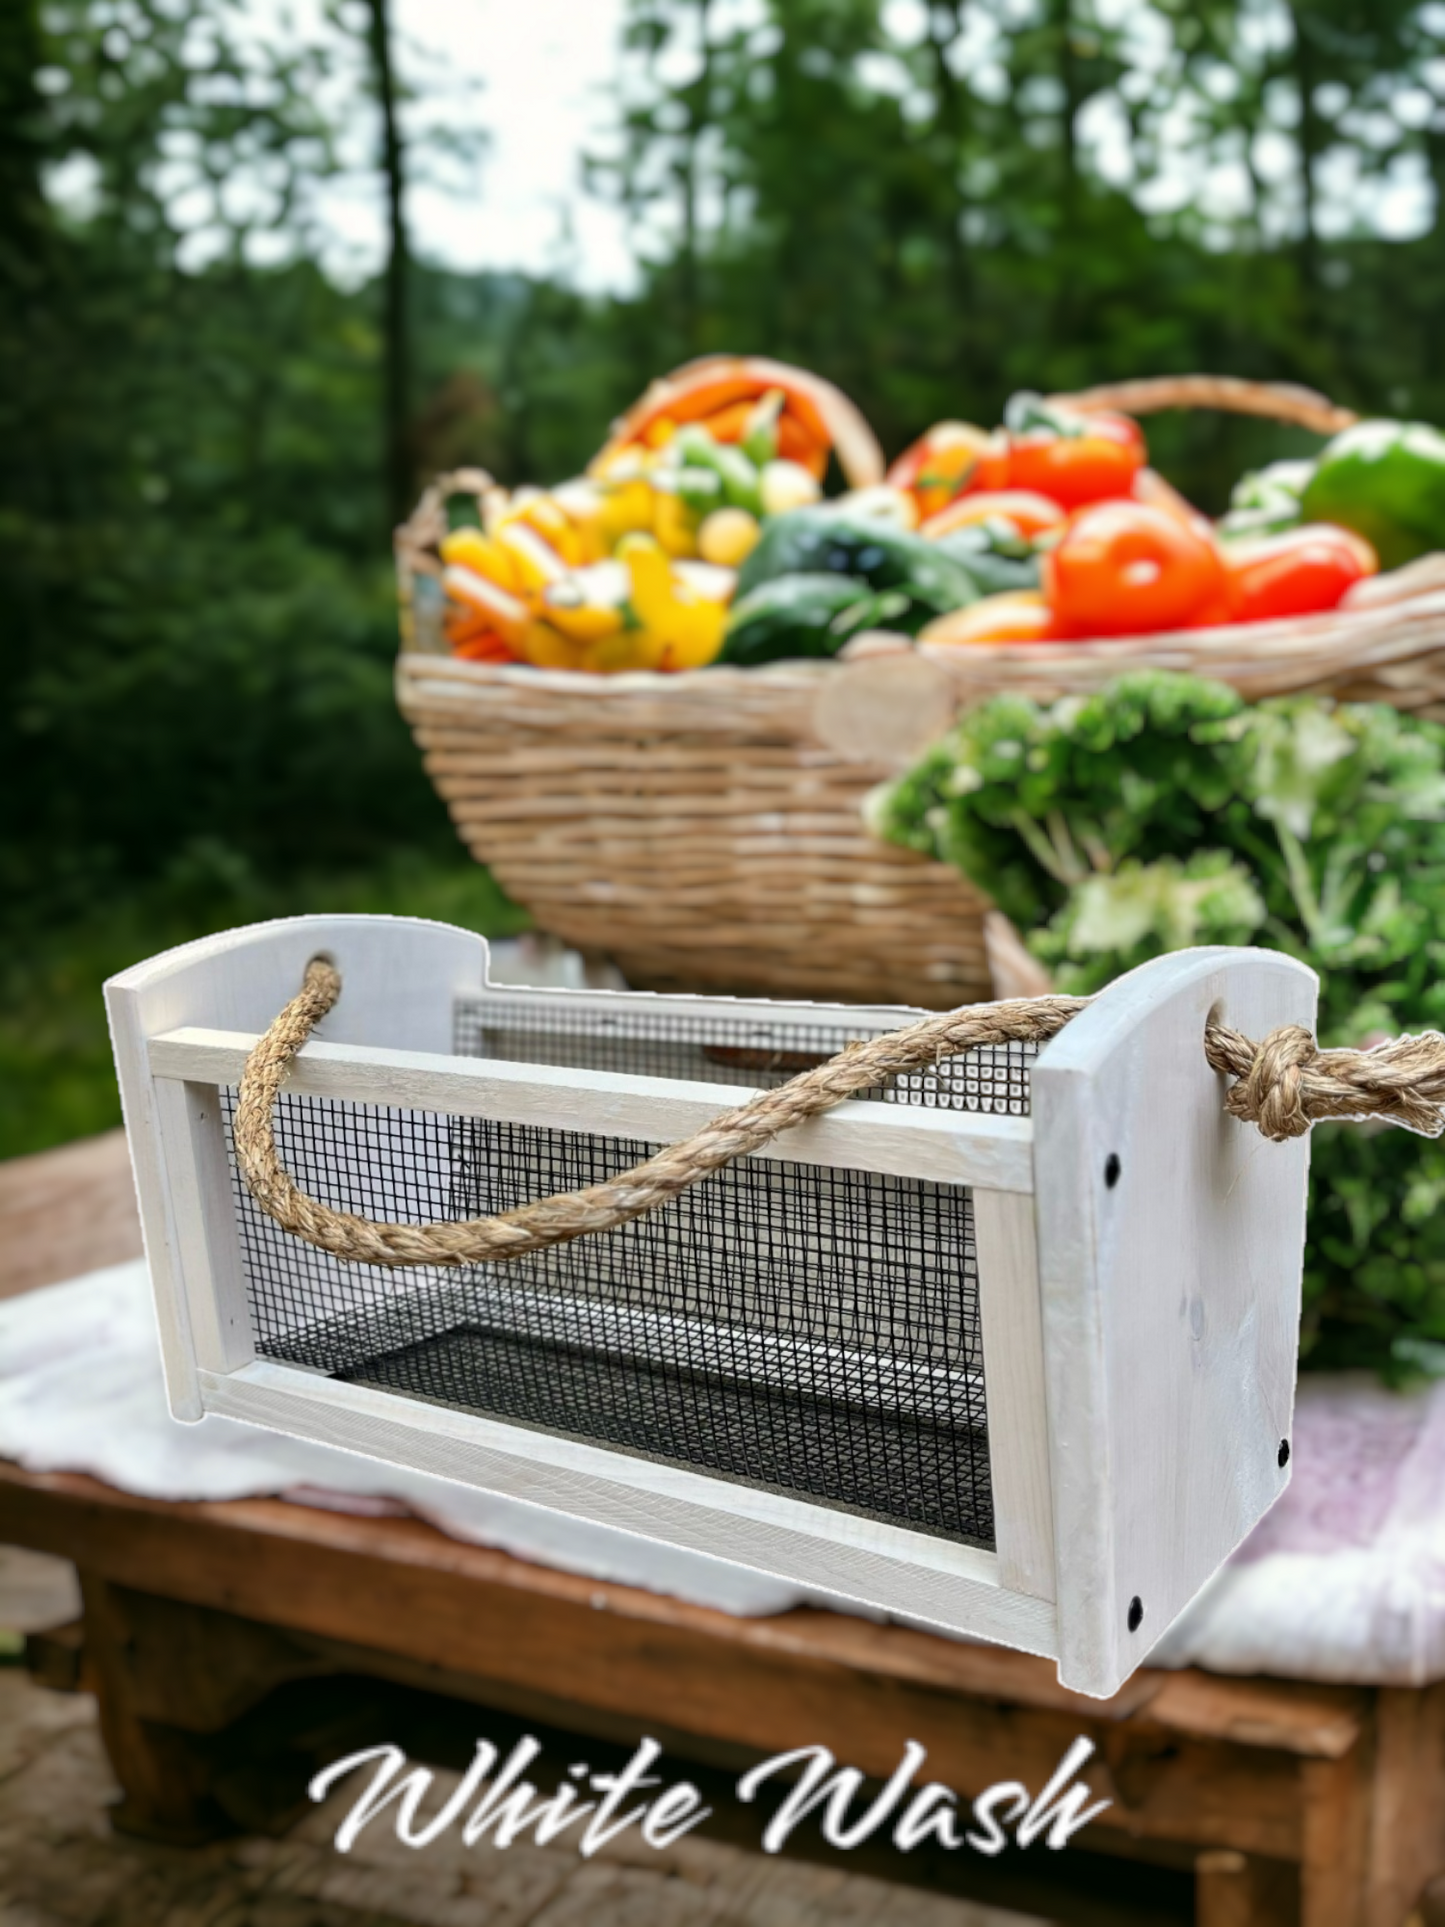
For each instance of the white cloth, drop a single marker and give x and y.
(1344, 1580)
(81, 1391)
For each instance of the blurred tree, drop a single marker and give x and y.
(932, 201)
(401, 478)
(199, 606)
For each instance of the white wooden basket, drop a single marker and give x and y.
(1007, 1350)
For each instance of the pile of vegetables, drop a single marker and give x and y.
(634, 564)
(700, 533)
(1164, 812)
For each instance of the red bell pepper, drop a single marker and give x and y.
(1298, 572)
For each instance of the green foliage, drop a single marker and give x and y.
(1121, 918)
(1163, 812)
(194, 456)
(56, 1076)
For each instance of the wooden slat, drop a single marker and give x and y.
(950, 1147)
(1318, 1722)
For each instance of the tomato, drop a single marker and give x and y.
(1298, 572)
(1126, 569)
(1015, 615)
(1030, 514)
(1095, 465)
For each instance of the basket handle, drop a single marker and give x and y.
(418, 537)
(1279, 401)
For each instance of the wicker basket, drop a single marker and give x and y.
(704, 829)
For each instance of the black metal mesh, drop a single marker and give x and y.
(810, 1329)
(648, 1041)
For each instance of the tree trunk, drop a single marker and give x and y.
(396, 350)
(698, 119)
(952, 125)
(1066, 308)
(1311, 141)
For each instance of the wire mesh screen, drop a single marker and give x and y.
(648, 1041)
(809, 1329)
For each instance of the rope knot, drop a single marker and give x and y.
(1271, 1093)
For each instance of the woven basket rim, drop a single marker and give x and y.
(1387, 632)
(791, 677)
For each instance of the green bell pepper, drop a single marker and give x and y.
(1386, 481)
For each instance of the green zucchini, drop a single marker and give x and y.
(816, 542)
(794, 616)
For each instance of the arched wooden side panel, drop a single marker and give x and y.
(399, 975)
(1170, 1252)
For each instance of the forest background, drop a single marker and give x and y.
(203, 451)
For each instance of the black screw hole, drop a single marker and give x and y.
(1112, 1169)
(1283, 1454)
(1136, 1613)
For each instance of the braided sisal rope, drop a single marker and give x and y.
(1283, 1085)
(1287, 1083)
(572, 1214)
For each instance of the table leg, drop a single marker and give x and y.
(1336, 1824)
(164, 1773)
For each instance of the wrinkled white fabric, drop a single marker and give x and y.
(81, 1391)
(1344, 1580)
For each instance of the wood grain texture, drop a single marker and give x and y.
(210, 1268)
(1171, 1241)
(858, 1562)
(1316, 1721)
(65, 1212)
(949, 1147)
(1013, 1349)
(403, 975)
(399, 1588)
(1407, 1817)
(1334, 1843)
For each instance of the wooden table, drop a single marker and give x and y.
(1292, 1801)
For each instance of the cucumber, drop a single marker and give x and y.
(793, 617)
(995, 561)
(826, 541)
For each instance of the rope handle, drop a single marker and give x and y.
(1279, 401)
(1283, 1085)
(599, 1207)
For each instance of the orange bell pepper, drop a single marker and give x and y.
(1015, 615)
(941, 463)
(1030, 514)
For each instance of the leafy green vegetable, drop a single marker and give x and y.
(1163, 811)
(1121, 918)
(1267, 499)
